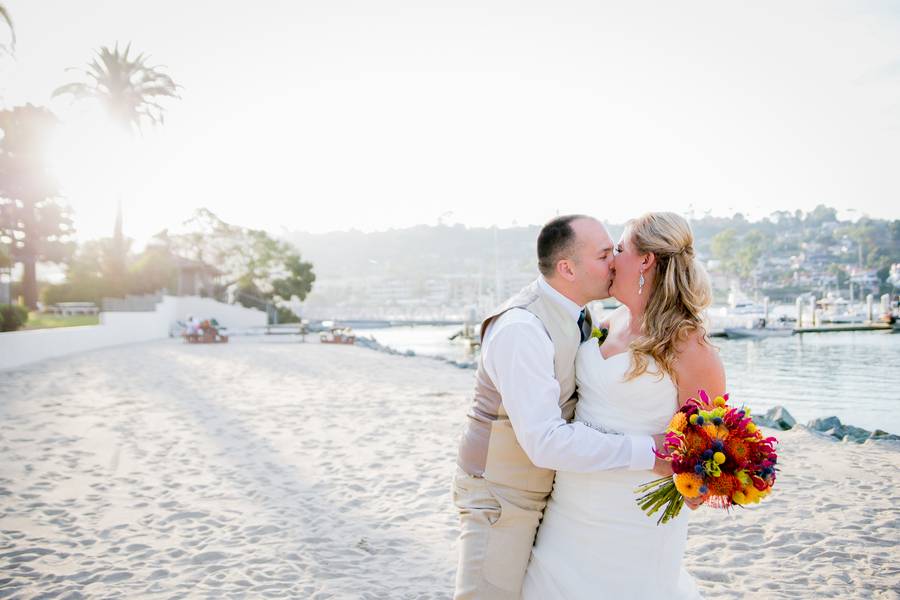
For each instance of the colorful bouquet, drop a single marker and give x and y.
(717, 454)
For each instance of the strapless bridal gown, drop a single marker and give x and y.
(594, 541)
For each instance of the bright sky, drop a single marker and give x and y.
(330, 115)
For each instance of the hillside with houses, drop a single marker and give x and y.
(441, 272)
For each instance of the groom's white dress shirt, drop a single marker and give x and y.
(518, 357)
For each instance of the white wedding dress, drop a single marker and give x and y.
(594, 541)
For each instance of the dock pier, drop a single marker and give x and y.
(845, 327)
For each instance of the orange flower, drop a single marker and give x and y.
(678, 423)
(694, 443)
(688, 484)
(737, 449)
(723, 485)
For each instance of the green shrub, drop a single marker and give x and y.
(286, 315)
(12, 317)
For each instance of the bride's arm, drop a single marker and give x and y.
(698, 367)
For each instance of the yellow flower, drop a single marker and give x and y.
(719, 401)
(678, 423)
(719, 458)
(688, 484)
(751, 427)
(712, 468)
(751, 494)
(739, 497)
(693, 419)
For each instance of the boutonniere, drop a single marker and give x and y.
(600, 334)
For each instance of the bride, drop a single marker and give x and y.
(594, 541)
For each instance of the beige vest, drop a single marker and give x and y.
(489, 447)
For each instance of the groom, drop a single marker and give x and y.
(518, 431)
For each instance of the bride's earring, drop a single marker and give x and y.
(641, 284)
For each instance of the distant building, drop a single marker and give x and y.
(826, 279)
(195, 278)
(866, 279)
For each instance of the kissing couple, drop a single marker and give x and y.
(565, 420)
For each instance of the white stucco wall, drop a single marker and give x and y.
(232, 316)
(19, 348)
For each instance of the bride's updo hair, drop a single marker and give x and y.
(680, 291)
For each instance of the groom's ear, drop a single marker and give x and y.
(564, 269)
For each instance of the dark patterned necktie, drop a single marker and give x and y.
(581, 325)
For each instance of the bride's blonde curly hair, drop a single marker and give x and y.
(679, 294)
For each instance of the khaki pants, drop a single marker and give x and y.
(497, 528)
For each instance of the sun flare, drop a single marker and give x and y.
(88, 155)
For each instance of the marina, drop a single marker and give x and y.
(852, 373)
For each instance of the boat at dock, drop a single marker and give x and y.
(469, 336)
(757, 332)
(761, 328)
(834, 309)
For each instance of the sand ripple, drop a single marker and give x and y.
(259, 469)
(253, 469)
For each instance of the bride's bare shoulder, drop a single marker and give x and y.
(699, 365)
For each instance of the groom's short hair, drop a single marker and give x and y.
(555, 241)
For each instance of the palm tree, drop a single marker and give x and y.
(128, 88)
(4, 15)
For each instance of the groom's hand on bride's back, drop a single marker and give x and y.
(661, 467)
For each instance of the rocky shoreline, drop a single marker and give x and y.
(779, 418)
(373, 344)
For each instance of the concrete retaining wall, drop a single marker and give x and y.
(19, 348)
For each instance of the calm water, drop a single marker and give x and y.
(855, 375)
(424, 339)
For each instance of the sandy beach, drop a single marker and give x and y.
(270, 469)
